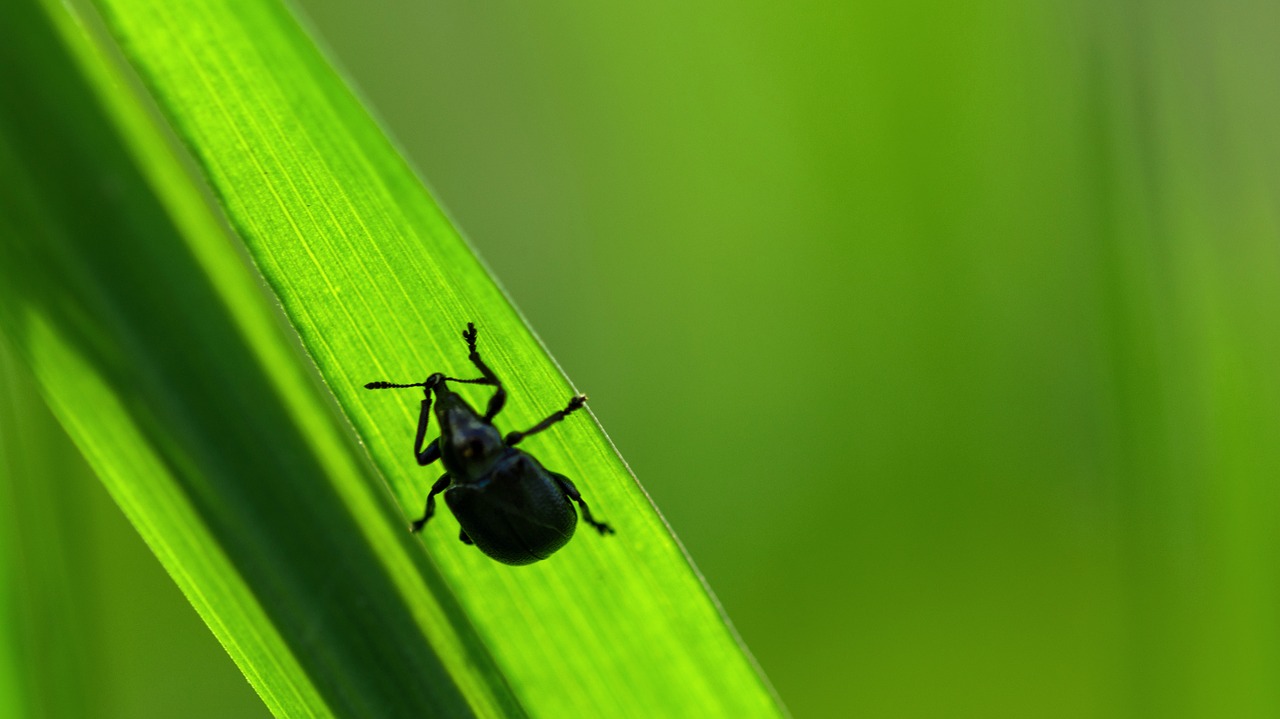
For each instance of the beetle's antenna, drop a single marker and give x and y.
(390, 385)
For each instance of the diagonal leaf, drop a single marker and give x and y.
(159, 353)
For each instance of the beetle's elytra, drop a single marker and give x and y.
(510, 506)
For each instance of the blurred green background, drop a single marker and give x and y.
(945, 335)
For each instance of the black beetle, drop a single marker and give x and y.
(510, 506)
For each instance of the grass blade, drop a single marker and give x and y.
(159, 354)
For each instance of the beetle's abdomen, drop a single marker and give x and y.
(516, 515)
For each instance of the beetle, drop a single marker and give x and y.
(510, 507)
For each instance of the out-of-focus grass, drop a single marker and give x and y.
(92, 626)
(43, 638)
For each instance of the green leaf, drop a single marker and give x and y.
(158, 350)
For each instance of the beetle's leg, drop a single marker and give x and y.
(572, 492)
(462, 536)
(575, 404)
(499, 397)
(430, 454)
(432, 451)
(440, 485)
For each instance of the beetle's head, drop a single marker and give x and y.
(468, 444)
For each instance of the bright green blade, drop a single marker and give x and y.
(379, 285)
(159, 353)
